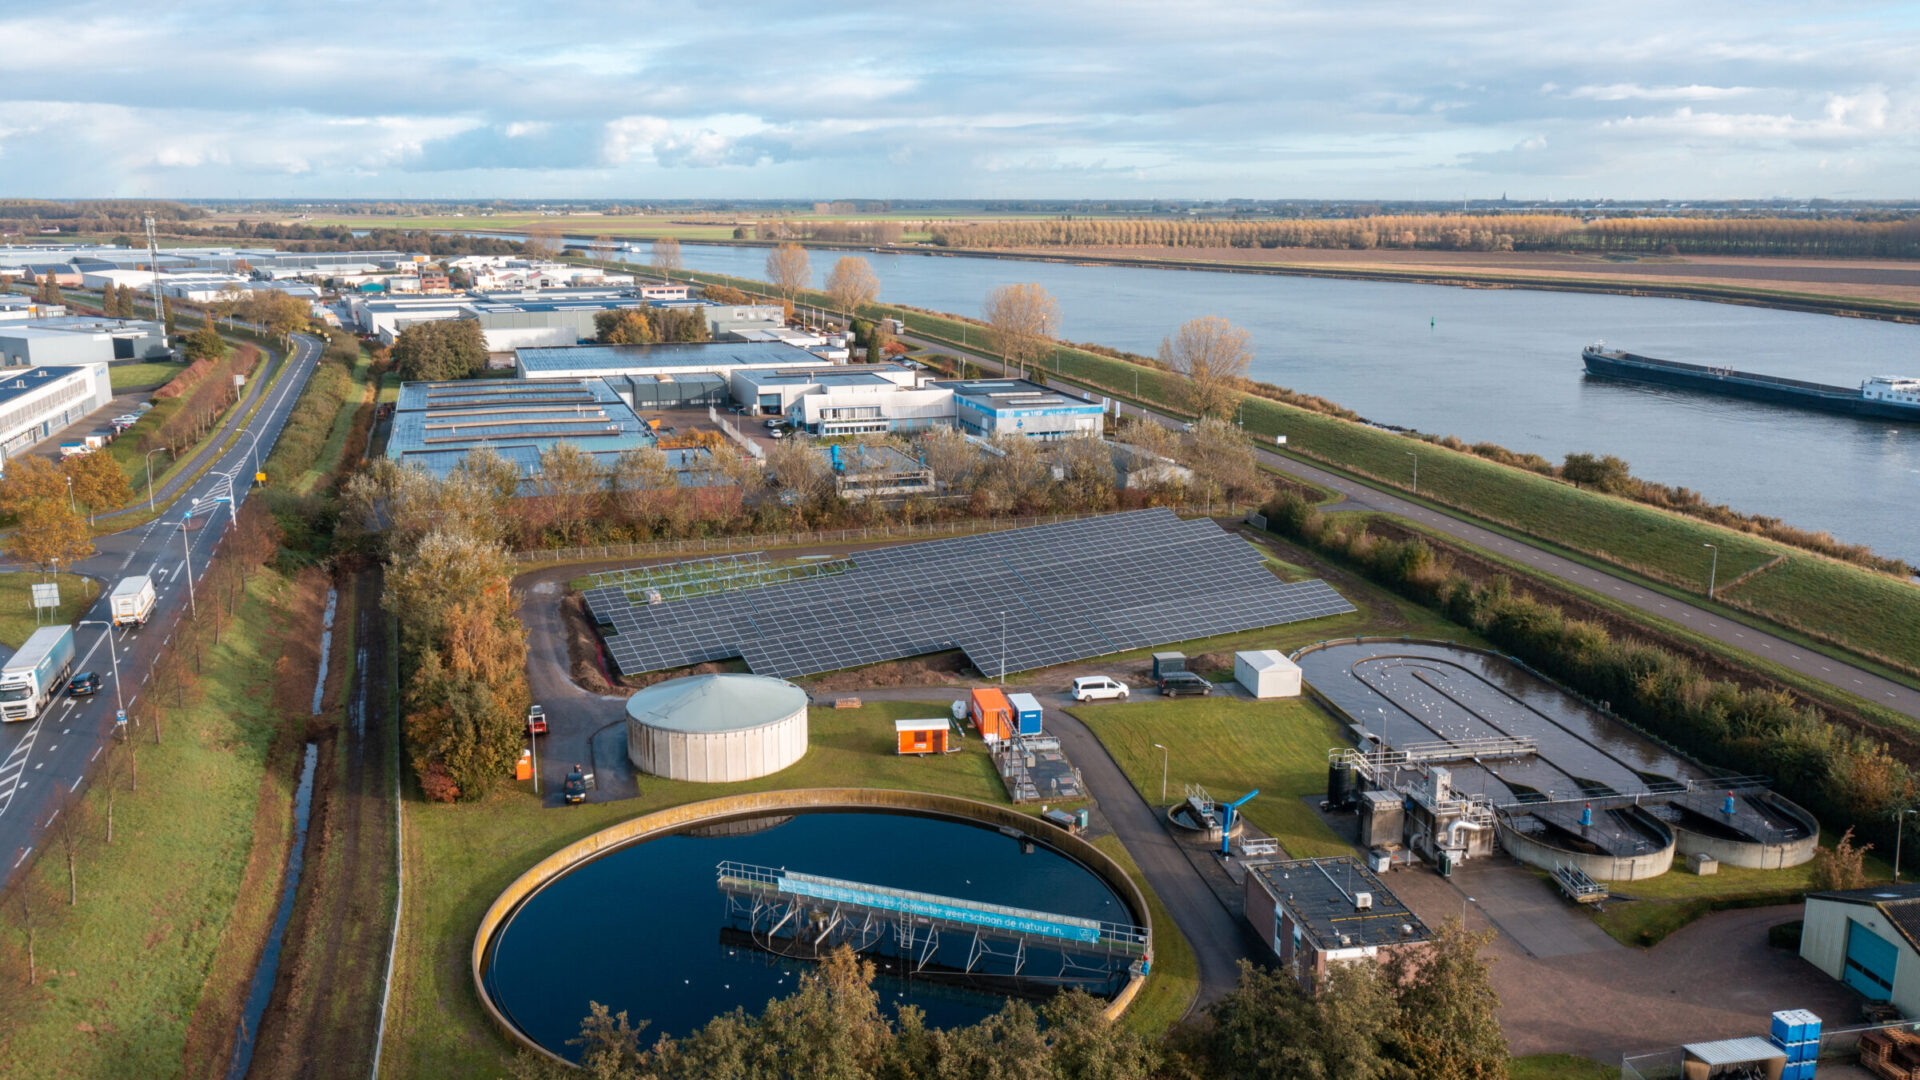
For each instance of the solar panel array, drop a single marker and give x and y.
(1062, 592)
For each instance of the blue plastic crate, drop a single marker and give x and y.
(1804, 1051)
(1782, 1034)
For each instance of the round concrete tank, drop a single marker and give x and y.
(717, 728)
(1624, 843)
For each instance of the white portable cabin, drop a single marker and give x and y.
(1267, 673)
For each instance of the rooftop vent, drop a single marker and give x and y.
(1363, 901)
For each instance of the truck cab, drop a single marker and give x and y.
(536, 721)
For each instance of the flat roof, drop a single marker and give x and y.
(822, 378)
(709, 704)
(20, 382)
(1734, 1051)
(1012, 394)
(531, 414)
(715, 354)
(1322, 895)
(940, 723)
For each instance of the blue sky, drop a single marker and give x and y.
(999, 100)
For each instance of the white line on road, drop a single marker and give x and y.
(23, 857)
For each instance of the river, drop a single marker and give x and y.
(1503, 366)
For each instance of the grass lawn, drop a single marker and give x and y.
(322, 466)
(17, 616)
(122, 972)
(1230, 747)
(125, 376)
(460, 856)
(1829, 601)
(1559, 1067)
(1666, 903)
(1175, 977)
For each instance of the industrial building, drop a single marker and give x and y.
(844, 400)
(80, 339)
(1267, 673)
(383, 317)
(717, 728)
(515, 324)
(989, 407)
(1869, 939)
(435, 424)
(1135, 468)
(863, 472)
(18, 307)
(38, 402)
(1314, 913)
(721, 358)
(731, 320)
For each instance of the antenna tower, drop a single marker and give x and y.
(153, 266)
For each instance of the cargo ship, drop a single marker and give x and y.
(1886, 397)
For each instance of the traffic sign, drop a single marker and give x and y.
(46, 595)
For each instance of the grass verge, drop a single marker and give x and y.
(1175, 977)
(122, 972)
(1559, 1067)
(125, 377)
(18, 618)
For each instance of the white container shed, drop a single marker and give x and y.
(1267, 673)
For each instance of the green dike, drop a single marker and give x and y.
(1846, 608)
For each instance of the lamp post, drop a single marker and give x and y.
(1713, 569)
(113, 650)
(187, 547)
(74, 505)
(1163, 773)
(1899, 834)
(150, 454)
(1416, 470)
(1003, 648)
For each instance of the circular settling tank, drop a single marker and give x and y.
(717, 728)
(646, 927)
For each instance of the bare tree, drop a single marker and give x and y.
(666, 256)
(1223, 463)
(602, 250)
(1022, 320)
(1214, 355)
(798, 467)
(852, 285)
(1155, 438)
(952, 457)
(789, 270)
(66, 829)
(544, 240)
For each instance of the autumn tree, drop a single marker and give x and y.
(1272, 1025)
(642, 479)
(1449, 1024)
(800, 468)
(1214, 356)
(445, 349)
(623, 326)
(1841, 867)
(98, 482)
(1022, 321)
(544, 241)
(682, 324)
(206, 342)
(666, 256)
(852, 285)
(567, 488)
(953, 458)
(1223, 463)
(789, 270)
(49, 287)
(50, 533)
(602, 251)
(29, 478)
(1086, 476)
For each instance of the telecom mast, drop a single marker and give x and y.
(153, 266)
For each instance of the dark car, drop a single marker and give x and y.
(574, 789)
(85, 684)
(1183, 683)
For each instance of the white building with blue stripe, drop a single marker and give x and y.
(989, 407)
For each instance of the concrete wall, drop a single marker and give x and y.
(1751, 855)
(1823, 943)
(651, 825)
(720, 756)
(1597, 867)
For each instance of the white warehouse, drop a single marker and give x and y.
(36, 403)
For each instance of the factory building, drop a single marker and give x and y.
(721, 358)
(537, 323)
(383, 317)
(846, 400)
(435, 424)
(18, 307)
(1314, 913)
(1869, 939)
(861, 472)
(731, 320)
(989, 407)
(38, 402)
(80, 339)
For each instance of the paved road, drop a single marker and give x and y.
(43, 759)
(1836, 673)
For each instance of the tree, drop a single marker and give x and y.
(1022, 321)
(1448, 1026)
(27, 479)
(642, 478)
(602, 250)
(447, 349)
(544, 241)
(206, 342)
(98, 482)
(228, 302)
(1841, 867)
(1085, 468)
(282, 314)
(1271, 1025)
(1609, 473)
(567, 488)
(853, 286)
(50, 287)
(1214, 356)
(953, 458)
(789, 270)
(1223, 463)
(682, 324)
(666, 256)
(623, 326)
(110, 301)
(50, 532)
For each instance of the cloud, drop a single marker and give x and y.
(1635, 92)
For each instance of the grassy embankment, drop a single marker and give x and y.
(18, 618)
(122, 972)
(1654, 908)
(1831, 606)
(152, 374)
(460, 856)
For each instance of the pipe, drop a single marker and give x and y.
(1453, 839)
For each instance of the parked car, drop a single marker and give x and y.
(536, 721)
(125, 418)
(85, 684)
(1098, 687)
(573, 790)
(1184, 683)
(773, 422)
(777, 433)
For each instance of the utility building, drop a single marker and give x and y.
(989, 407)
(1314, 913)
(38, 402)
(1869, 939)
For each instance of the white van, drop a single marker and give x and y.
(1097, 687)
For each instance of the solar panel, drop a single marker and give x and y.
(1036, 596)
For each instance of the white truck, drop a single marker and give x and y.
(132, 601)
(31, 678)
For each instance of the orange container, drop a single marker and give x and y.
(991, 713)
(523, 769)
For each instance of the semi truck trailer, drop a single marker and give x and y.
(132, 601)
(36, 673)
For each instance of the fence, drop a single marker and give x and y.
(1837, 1046)
(763, 541)
(752, 448)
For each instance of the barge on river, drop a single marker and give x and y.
(1886, 397)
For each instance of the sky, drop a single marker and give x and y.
(1057, 99)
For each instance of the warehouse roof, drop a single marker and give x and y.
(1324, 896)
(1003, 395)
(710, 356)
(706, 704)
(23, 381)
(527, 415)
(867, 376)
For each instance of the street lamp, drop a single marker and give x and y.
(1899, 833)
(1163, 773)
(187, 547)
(113, 650)
(1713, 569)
(70, 502)
(1416, 470)
(150, 454)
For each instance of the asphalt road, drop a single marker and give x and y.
(1818, 666)
(43, 760)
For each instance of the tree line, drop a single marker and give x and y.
(204, 390)
(1417, 1014)
(1702, 235)
(1840, 775)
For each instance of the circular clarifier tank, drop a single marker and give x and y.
(673, 928)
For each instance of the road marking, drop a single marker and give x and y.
(23, 857)
(96, 752)
(76, 784)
